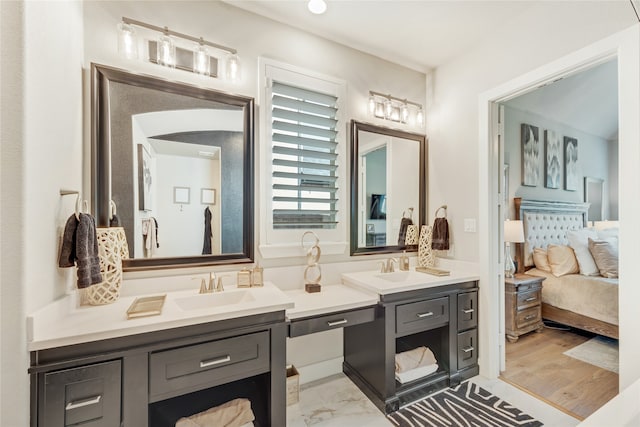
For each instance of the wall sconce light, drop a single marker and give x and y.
(395, 109)
(164, 51)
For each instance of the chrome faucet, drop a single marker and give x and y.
(388, 266)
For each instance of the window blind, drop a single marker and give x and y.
(304, 169)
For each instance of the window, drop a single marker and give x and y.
(303, 159)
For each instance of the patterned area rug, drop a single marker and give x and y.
(598, 351)
(466, 405)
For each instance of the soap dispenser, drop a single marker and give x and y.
(404, 261)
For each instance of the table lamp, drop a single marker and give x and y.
(513, 233)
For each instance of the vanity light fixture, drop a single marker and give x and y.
(164, 51)
(317, 7)
(395, 109)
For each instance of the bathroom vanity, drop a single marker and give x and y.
(155, 370)
(414, 310)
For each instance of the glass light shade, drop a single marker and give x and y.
(201, 62)
(509, 266)
(372, 105)
(420, 117)
(379, 110)
(405, 113)
(317, 7)
(166, 51)
(388, 108)
(127, 41)
(233, 67)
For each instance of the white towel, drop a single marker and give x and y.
(420, 356)
(414, 374)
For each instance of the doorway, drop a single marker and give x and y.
(556, 362)
(625, 47)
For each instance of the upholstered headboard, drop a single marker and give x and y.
(545, 223)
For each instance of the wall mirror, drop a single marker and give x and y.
(153, 136)
(388, 180)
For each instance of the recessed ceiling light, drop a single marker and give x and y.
(317, 7)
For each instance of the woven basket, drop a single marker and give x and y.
(425, 253)
(112, 249)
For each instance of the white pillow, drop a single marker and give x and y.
(579, 242)
(607, 233)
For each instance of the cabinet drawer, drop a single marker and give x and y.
(467, 310)
(331, 321)
(528, 299)
(201, 366)
(422, 315)
(528, 316)
(467, 348)
(88, 395)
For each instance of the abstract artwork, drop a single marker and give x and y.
(530, 155)
(144, 179)
(552, 165)
(571, 181)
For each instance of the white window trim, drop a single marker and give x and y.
(287, 243)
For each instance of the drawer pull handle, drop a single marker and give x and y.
(337, 322)
(468, 349)
(531, 316)
(427, 314)
(207, 363)
(531, 299)
(468, 311)
(84, 402)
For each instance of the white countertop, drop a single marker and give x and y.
(330, 299)
(64, 323)
(401, 281)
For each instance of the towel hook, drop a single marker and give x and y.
(410, 213)
(112, 209)
(441, 208)
(64, 192)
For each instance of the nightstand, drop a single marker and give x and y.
(523, 305)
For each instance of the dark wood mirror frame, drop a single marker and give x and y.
(102, 76)
(356, 127)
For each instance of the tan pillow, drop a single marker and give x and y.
(540, 260)
(562, 260)
(605, 254)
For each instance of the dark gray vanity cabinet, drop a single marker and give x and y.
(155, 378)
(443, 318)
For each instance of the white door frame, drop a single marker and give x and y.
(624, 45)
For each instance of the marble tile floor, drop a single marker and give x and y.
(336, 402)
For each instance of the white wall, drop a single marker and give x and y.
(613, 180)
(593, 158)
(41, 153)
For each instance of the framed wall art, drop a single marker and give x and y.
(552, 162)
(530, 155)
(571, 180)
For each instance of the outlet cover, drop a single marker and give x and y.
(470, 225)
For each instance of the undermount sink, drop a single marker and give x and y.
(397, 276)
(216, 299)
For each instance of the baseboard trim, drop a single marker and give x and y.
(320, 370)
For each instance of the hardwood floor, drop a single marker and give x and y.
(536, 364)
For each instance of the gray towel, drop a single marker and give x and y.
(440, 240)
(80, 246)
(67, 256)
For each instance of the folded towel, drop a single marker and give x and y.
(440, 241)
(88, 261)
(414, 374)
(418, 357)
(235, 413)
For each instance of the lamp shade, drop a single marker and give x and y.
(513, 231)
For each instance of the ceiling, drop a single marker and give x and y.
(587, 101)
(411, 33)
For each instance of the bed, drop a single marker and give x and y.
(585, 302)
